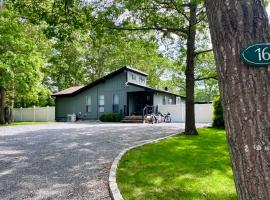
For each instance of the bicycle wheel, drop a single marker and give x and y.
(168, 119)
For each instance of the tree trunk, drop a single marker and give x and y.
(10, 113)
(190, 128)
(245, 90)
(2, 105)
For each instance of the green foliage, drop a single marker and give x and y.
(83, 47)
(218, 120)
(22, 49)
(40, 97)
(168, 23)
(24, 123)
(111, 117)
(180, 167)
(84, 44)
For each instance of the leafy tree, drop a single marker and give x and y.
(183, 19)
(234, 25)
(21, 60)
(206, 83)
(84, 48)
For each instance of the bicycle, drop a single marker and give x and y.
(167, 118)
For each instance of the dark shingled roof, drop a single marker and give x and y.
(68, 91)
(76, 90)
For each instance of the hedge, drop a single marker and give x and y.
(218, 120)
(111, 117)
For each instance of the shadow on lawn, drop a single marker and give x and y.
(182, 167)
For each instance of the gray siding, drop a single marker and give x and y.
(113, 86)
(158, 98)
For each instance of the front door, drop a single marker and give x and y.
(142, 99)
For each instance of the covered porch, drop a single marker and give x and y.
(137, 101)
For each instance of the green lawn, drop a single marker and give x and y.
(24, 123)
(179, 168)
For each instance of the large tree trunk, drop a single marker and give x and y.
(190, 128)
(2, 105)
(10, 113)
(245, 90)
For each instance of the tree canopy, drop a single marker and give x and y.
(75, 42)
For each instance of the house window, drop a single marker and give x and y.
(164, 100)
(88, 104)
(101, 103)
(170, 101)
(115, 103)
(178, 100)
(142, 79)
(134, 77)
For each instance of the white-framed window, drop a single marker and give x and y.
(164, 100)
(88, 104)
(178, 100)
(115, 103)
(134, 77)
(142, 79)
(170, 101)
(101, 103)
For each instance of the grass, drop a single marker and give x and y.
(23, 123)
(179, 168)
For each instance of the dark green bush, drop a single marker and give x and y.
(111, 117)
(218, 120)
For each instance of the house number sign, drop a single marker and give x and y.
(257, 54)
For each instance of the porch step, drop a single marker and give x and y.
(132, 119)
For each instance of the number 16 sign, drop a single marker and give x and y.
(257, 54)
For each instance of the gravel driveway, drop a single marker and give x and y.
(66, 160)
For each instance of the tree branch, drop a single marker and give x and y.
(182, 86)
(199, 20)
(206, 78)
(202, 52)
(170, 29)
(179, 10)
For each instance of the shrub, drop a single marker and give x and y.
(218, 120)
(111, 117)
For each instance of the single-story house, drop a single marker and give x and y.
(123, 91)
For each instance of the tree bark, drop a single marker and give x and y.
(245, 91)
(3, 105)
(190, 127)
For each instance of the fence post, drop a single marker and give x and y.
(47, 113)
(21, 109)
(34, 113)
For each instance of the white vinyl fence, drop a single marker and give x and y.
(34, 114)
(203, 112)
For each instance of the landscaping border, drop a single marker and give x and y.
(113, 188)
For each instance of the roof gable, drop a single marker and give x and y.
(76, 90)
